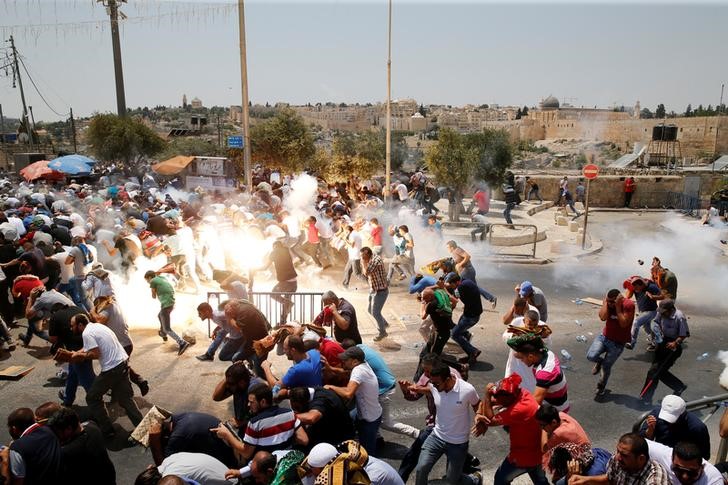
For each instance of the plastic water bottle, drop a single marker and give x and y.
(578, 301)
(578, 323)
(566, 355)
(704, 356)
(581, 338)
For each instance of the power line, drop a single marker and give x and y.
(38, 90)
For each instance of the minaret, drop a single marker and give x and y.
(637, 110)
(184, 100)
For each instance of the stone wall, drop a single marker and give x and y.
(607, 191)
(698, 136)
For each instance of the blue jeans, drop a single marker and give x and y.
(376, 303)
(410, 459)
(644, 320)
(78, 295)
(33, 330)
(432, 449)
(367, 431)
(507, 472)
(165, 320)
(216, 342)
(468, 273)
(507, 212)
(81, 373)
(612, 351)
(232, 349)
(352, 267)
(458, 333)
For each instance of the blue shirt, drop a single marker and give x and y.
(645, 303)
(424, 282)
(469, 293)
(306, 373)
(385, 378)
(673, 326)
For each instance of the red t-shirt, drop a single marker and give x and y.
(612, 330)
(481, 198)
(331, 350)
(629, 185)
(24, 286)
(312, 234)
(376, 236)
(524, 431)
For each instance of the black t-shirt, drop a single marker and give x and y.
(62, 234)
(59, 326)
(335, 424)
(347, 311)
(36, 259)
(441, 319)
(53, 268)
(158, 225)
(191, 434)
(281, 258)
(84, 459)
(240, 402)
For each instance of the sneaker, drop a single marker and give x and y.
(163, 335)
(183, 347)
(62, 397)
(10, 344)
(494, 302)
(25, 340)
(478, 476)
(464, 371)
(601, 390)
(473, 358)
(597, 367)
(380, 337)
(651, 347)
(144, 388)
(629, 346)
(203, 357)
(62, 374)
(680, 391)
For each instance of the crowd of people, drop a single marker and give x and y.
(64, 251)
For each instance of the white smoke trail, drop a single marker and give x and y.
(723, 379)
(301, 199)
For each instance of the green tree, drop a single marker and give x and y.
(356, 154)
(191, 147)
(122, 139)
(645, 113)
(519, 113)
(422, 110)
(524, 111)
(689, 111)
(453, 165)
(660, 111)
(495, 154)
(283, 141)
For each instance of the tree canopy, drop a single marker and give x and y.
(283, 141)
(122, 139)
(191, 147)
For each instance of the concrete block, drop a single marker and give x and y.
(580, 231)
(558, 246)
(562, 221)
(573, 226)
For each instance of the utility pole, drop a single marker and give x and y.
(73, 132)
(22, 93)
(720, 106)
(112, 7)
(32, 118)
(219, 132)
(244, 88)
(388, 151)
(2, 125)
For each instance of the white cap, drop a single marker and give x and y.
(672, 408)
(310, 336)
(321, 454)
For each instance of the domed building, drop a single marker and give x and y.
(549, 103)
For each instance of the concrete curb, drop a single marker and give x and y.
(596, 247)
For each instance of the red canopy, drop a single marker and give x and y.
(40, 169)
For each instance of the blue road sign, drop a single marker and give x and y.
(235, 141)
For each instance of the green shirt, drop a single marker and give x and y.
(165, 291)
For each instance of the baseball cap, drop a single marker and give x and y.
(666, 306)
(452, 276)
(353, 353)
(526, 289)
(672, 408)
(310, 336)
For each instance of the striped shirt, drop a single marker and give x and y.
(271, 429)
(549, 376)
(376, 275)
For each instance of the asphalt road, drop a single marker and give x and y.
(185, 384)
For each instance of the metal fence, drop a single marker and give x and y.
(305, 305)
(687, 204)
(713, 404)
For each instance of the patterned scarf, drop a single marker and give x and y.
(347, 468)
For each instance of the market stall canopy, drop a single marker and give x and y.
(172, 166)
(40, 169)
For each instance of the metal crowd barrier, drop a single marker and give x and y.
(687, 204)
(533, 244)
(713, 403)
(305, 305)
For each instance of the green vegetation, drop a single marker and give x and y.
(124, 140)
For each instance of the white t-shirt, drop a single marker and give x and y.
(454, 412)
(293, 226)
(663, 455)
(355, 248)
(367, 394)
(199, 467)
(96, 335)
(275, 232)
(402, 191)
(381, 473)
(17, 224)
(323, 224)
